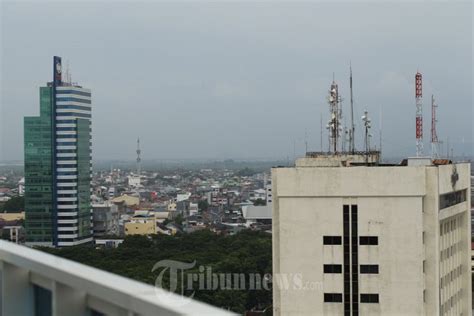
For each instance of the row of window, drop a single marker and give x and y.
(363, 240)
(450, 225)
(66, 122)
(66, 136)
(66, 158)
(66, 143)
(86, 94)
(74, 107)
(453, 198)
(451, 251)
(72, 99)
(451, 302)
(337, 298)
(75, 114)
(364, 268)
(450, 276)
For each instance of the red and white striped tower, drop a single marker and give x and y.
(419, 115)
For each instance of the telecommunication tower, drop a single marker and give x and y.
(334, 124)
(434, 134)
(139, 167)
(419, 114)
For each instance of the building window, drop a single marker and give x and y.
(369, 240)
(369, 268)
(332, 297)
(43, 301)
(369, 298)
(332, 240)
(453, 198)
(332, 268)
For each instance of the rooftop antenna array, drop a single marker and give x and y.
(367, 124)
(67, 74)
(434, 133)
(419, 114)
(334, 124)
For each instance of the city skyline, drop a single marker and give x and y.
(211, 83)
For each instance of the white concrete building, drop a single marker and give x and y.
(372, 240)
(193, 209)
(261, 214)
(21, 187)
(134, 181)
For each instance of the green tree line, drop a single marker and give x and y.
(246, 253)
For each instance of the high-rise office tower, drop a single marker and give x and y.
(372, 239)
(58, 165)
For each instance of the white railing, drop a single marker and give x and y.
(77, 289)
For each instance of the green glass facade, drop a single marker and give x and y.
(38, 149)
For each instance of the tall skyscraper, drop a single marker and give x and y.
(372, 239)
(58, 165)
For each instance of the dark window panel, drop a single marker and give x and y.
(369, 298)
(369, 240)
(369, 268)
(332, 268)
(332, 297)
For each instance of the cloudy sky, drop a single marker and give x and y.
(199, 80)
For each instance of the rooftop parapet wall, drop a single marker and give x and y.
(342, 159)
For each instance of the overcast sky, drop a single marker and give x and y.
(239, 80)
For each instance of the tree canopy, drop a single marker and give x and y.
(14, 205)
(247, 252)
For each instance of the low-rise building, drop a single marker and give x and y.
(127, 199)
(8, 217)
(142, 223)
(105, 219)
(261, 214)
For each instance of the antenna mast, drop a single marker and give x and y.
(380, 133)
(367, 125)
(321, 131)
(306, 140)
(434, 134)
(419, 114)
(139, 167)
(334, 124)
(352, 131)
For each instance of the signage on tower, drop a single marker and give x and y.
(57, 71)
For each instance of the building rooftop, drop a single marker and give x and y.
(257, 212)
(359, 158)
